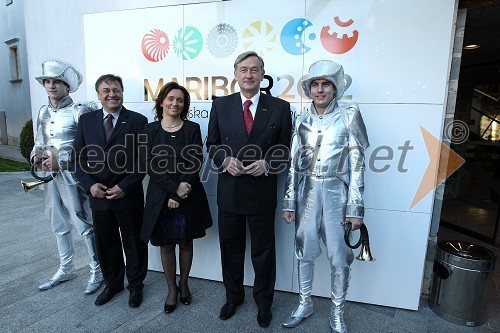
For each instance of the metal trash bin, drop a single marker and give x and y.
(462, 276)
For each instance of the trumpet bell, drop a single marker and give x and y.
(365, 254)
(28, 186)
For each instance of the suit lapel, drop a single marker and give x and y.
(100, 125)
(262, 115)
(119, 126)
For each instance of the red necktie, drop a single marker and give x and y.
(108, 126)
(247, 115)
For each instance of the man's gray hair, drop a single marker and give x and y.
(247, 54)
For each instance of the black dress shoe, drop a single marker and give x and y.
(106, 295)
(227, 311)
(135, 298)
(167, 308)
(264, 317)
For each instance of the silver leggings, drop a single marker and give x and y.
(320, 213)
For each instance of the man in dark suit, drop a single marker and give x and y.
(106, 145)
(249, 153)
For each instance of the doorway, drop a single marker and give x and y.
(471, 201)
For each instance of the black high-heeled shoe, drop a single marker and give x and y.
(169, 308)
(185, 300)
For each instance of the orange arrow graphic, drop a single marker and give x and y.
(443, 162)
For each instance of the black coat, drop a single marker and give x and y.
(112, 162)
(269, 139)
(163, 182)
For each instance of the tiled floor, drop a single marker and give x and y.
(28, 255)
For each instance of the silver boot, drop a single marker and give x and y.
(95, 281)
(305, 309)
(340, 283)
(66, 269)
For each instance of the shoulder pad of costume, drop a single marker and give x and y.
(89, 104)
(348, 104)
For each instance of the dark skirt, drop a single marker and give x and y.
(170, 228)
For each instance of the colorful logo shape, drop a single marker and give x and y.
(332, 43)
(187, 43)
(292, 36)
(155, 45)
(222, 40)
(259, 36)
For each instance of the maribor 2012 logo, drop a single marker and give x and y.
(155, 45)
(259, 36)
(222, 40)
(335, 44)
(296, 38)
(336, 39)
(293, 36)
(188, 43)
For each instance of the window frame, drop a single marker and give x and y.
(14, 61)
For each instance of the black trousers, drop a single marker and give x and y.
(114, 231)
(232, 238)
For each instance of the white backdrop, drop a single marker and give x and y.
(397, 53)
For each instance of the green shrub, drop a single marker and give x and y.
(27, 140)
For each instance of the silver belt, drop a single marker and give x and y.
(319, 176)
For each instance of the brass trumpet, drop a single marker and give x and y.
(28, 186)
(364, 241)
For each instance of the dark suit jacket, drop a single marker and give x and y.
(167, 169)
(113, 162)
(269, 139)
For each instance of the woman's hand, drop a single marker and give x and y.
(183, 190)
(172, 204)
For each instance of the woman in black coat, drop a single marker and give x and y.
(176, 210)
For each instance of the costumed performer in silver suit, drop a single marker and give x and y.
(66, 203)
(324, 187)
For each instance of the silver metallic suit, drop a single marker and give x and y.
(324, 186)
(66, 203)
